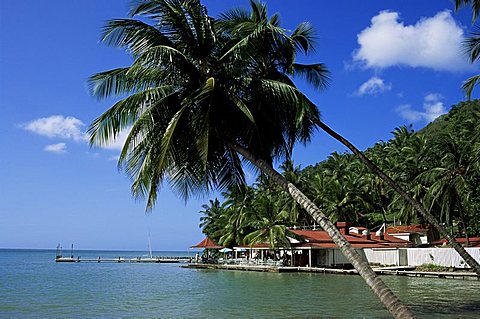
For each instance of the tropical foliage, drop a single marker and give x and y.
(471, 44)
(198, 86)
(204, 94)
(439, 166)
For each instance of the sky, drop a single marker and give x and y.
(392, 63)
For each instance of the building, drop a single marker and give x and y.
(418, 235)
(315, 248)
(410, 245)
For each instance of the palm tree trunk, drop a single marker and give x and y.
(419, 207)
(390, 301)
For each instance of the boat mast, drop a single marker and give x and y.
(59, 251)
(149, 247)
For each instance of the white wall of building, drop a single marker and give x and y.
(446, 257)
(383, 256)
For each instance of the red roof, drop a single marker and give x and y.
(319, 236)
(393, 241)
(207, 243)
(387, 240)
(474, 241)
(321, 239)
(407, 229)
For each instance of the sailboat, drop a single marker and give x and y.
(149, 258)
(59, 255)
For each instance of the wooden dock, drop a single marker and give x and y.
(394, 271)
(434, 274)
(157, 260)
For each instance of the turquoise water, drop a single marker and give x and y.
(32, 285)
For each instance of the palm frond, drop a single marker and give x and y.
(202, 25)
(134, 35)
(258, 11)
(475, 4)
(174, 20)
(112, 82)
(249, 45)
(315, 74)
(123, 114)
(200, 119)
(275, 20)
(469, 84)
(280, 91)
(471, 45)
(304, 37)
(241, 106)
(146, 133)
(169, 59)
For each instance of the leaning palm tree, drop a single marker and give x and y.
(197, 103)
(408, 199)
(277, 63)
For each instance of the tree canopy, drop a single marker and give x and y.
(438, 165)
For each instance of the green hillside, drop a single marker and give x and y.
(458, 116)
(438, 165)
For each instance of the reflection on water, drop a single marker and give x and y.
(32, 286)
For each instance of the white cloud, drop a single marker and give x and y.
(373, 86)
(57, 126)
(433, 97)
(432, 106)
(405, 111)
(59, 148)
(434, 42)
(68, 128)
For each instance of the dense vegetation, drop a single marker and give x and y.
(204, 94)
(438, 165)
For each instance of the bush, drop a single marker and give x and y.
(433, 267)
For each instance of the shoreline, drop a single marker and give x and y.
(408, 271)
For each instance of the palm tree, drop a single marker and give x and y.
(248, 32)
(471, 44)
(198, 100)
(407, 198)
(239, 201)
(212, 213)
(269, 224)
(449, 187)
(412, 156)
(293, 174)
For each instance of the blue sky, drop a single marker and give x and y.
(392, 63)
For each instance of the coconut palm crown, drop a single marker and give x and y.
(198, 85)
(202, 91)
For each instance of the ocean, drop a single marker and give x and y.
(32, 285)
